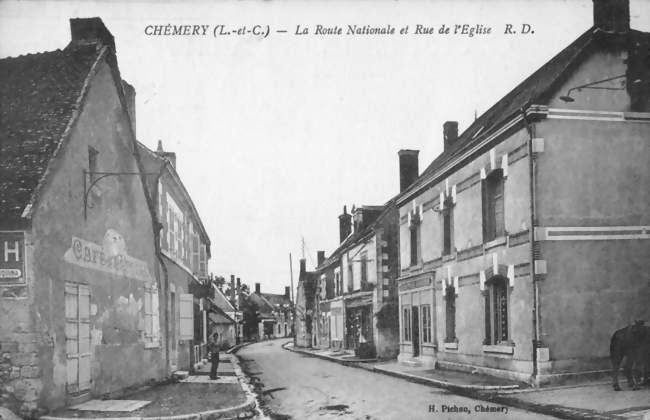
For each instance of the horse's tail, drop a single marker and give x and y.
(615, 344)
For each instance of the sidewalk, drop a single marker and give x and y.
(592, 400)
(194, 397)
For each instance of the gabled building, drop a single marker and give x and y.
(274, 311)
(304, 306)
(184, 247)
(78, 286)
(356, 296)
(222, 319)
(524, 245)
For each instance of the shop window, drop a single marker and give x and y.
(450, 315)
(496, 311)
(406, 324)
(493, 206)
(426, 323)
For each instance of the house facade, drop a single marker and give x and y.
(304, 307)
(524, 245)
(79, 289)
(356, 294)
(185, 252)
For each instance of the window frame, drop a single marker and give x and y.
(493, 191)
(496, 315)
(414, 244)
(450, 314)
(447, 215)
(425, 316)
(406, 323)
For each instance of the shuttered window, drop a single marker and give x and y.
(406, 324)
(151, 317)
(447, 229)
(496, 311)
(493, 206)
(186, 316)
(77, 337)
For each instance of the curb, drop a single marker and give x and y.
(248, 407)
(484, 393)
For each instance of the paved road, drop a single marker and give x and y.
(295, 386)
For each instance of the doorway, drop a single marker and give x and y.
(416, 331)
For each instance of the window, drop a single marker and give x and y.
(92, 162)
(151, 317)
(450, 315)
(415, 243)
(496, 311)
(406, 323)
(426, 323)
(493, 214)
(337, 281)
(447, 227)
(203, 261)
(364, 269)
(350, 277)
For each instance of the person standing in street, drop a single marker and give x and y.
(213, 348)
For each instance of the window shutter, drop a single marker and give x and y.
(488, 318)
(186, 316)
(498, 208)
(485, 207)
(155, 316)
(147, 314)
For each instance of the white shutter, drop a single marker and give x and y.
(187, 316)
(155, 317)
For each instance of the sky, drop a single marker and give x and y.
(273, 135)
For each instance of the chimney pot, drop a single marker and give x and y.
(450, 133)
(257, 288)
(612, 15)
(408, 168)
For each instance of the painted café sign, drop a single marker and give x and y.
(110, 257)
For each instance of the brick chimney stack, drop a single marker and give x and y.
(303, 265)
(450, 133)
(320, 257)
(612, 15)
(88, 31)
(408, 168)
(287, 292)
(345, 224)
(257, 288)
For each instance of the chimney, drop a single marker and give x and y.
(232, 289)
(450, 133)
(303, 265)
(408, 168)
(171, 156)
(287, 292)
(257, 288)
(320, 257)
(345, 224)
(612, 15)
(129, 96)
(88, 31)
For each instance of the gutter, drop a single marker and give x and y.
(531, 234)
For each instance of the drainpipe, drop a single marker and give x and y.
(531, 233)
(164, 287)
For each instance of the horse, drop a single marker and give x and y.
(631, 344)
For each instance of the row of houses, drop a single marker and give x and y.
(103, 256)
(524, 245)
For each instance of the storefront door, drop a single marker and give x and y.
(416, 331)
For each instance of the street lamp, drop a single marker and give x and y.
(568, 98)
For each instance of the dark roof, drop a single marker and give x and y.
(218, 316)
(39, 94)
(276, 300)
(221, 301)
(535, 89)
(357, 236)
(263, 306)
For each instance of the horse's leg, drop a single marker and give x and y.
(616, 363)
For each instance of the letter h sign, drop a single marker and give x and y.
(12, 257)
